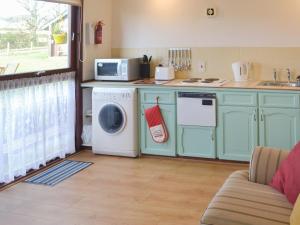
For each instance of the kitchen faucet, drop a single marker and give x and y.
(289, 74)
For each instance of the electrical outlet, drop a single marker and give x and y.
(202, 67)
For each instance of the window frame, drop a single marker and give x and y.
(75, 64)
(74, 47)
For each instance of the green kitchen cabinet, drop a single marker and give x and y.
(148, 146)
(279, 100)
(237, 132)
(195, 141)
(279, 127)
(245, 119)
(234, 98)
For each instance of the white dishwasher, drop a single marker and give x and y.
(196, 109)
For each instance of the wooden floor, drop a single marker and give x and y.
(120, 191)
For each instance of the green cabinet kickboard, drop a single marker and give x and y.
(196, 141)
(237, 132)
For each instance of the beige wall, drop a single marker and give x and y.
(263, 32)
(218, 60)
(172, 23)
(243, 30)
(95, 10)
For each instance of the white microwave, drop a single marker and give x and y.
(117, 69)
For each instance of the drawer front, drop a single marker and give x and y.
(279, 100)
(164, 97)
(237, 98)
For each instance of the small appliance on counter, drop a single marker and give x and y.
(117, 69)
(241, 71)
(164, 73)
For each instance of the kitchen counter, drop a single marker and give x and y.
(255, 85)
(232, 85)
(178, 83)
(259, 111)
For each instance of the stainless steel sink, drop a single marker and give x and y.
(278, 84)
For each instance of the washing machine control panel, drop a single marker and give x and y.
(114, 97)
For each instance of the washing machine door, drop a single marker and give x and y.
(112, 118)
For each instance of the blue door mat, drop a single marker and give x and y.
(58, 173)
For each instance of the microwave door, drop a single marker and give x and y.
(108, 69)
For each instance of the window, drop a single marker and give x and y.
(34, 36)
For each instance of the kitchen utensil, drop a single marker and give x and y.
(186, 63)
(180, 58)
(147, 59)
(190, 59)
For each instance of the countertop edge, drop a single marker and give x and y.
(251, 85)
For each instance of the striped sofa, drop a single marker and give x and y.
(246, 199)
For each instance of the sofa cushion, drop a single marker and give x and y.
(287, 178)
(240, 202)
(264, 164)
(295, 217)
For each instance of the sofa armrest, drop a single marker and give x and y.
(264, 163)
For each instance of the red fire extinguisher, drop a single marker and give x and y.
(98, 32)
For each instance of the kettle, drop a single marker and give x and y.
(241, 71)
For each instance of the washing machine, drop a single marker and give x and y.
(115, 121)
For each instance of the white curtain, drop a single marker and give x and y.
(37, 122)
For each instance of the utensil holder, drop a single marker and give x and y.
(145, 70)
(180, 58)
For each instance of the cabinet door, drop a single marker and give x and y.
(237, 132)
(279, 128)
(148, 146)
(196, 141)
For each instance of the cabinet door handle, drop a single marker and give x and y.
(261, 117)
(157, 99)
(254, 116)
(212, 136)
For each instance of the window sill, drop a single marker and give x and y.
(35, 74)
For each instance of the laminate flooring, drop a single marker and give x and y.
(120, 191)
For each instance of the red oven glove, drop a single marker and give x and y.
(156, 124)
